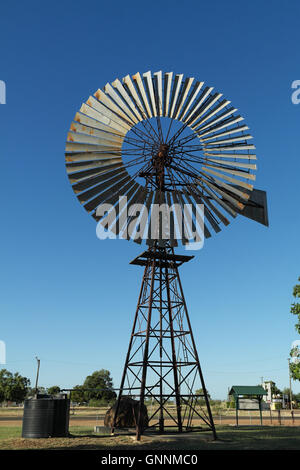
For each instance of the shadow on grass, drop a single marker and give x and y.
(246, 438)
(229, 438)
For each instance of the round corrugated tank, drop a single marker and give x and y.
(46, 417)
(61, 417)
(38, 418)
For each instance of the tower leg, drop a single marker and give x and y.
(211, 421)
(140, 425)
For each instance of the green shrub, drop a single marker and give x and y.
(230, 404)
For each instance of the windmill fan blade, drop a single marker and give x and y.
(159, 92)
(167, 92)
(166, 140)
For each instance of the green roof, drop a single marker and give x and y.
(247, 390)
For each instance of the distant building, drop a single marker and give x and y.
(270, 388)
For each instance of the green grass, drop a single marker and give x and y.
(8, 432)
(229, 438)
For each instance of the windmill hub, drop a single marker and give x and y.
(163, 151)
(160, 161)
(162, 158)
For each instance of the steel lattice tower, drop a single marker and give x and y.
(162, 362)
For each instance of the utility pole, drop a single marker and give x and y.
(37, 374)
(290, 377)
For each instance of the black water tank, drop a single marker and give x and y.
(61, 417)
(46, 417)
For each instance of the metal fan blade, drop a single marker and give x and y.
(234, 130)
(215, 210)
(184, 93)
(80, 128)
(216, 187)
(90, 156)
(198, 199)
(148, 77)
(128, 191)
(104, 178)
(227, 122)
(193, 204)
(207, 105)
(206, 92)
(248, 166)
(145, 214)
(103, 196)
(221, 202)
(79, 166)
(138, 198)
(137, 78)
(120, 217)
(173, 241)
(180, 223)
(90, 122)
(227, 141)
(196, 89)
(131, 89)
(221, 117)
(175, 93)
(94, 140)
(118, 85)
(111, 92)
(81, 147)
(228, 178)
(245, 156)
(98, 116)
(82, 175)
(103, 98)
(98, 106)
(232, 189)
(189, 224)
(158, 92)
(230, 147)
(242, 174)
(167, 92)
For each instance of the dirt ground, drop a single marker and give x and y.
(85, 416)
(229, 438)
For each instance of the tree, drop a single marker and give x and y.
(13, 387)
(295, 352)
(31, 391)
(54, 390)
(78, 394)
(201, 400)
(295, 307)
(200, 392)
(295, 365)
(100, 385)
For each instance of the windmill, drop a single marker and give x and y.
(163, 140)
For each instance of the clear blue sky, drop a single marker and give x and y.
(70, 298)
